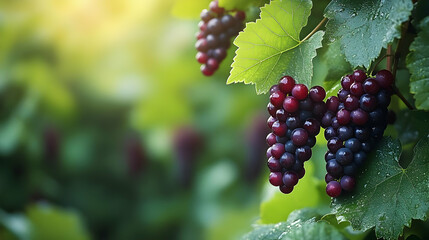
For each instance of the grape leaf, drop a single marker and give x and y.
(294, 230)
(365, 27)
(418, 62)
(411, 125)
(270, 47)
(336, 65)
(388, 196)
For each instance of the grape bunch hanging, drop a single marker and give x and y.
(294, 121)
(217, 27)
(355, 120)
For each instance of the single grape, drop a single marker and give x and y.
(271, 139)
(300, 91)
(359, 158)
(287, 160)
(343, 117)
(342, 94)
(202, 57)
(272, 110)
(274, 165)
(306, 104)
(293, 122)
(370, 86)
(206, 70)
(334, 144)
(344, 156)
(368, 102)
(279, 128)
(351, 103)
(317, 94)
(384, 78)
(353, 144)
(332, 103)
(347, 183)
(356, 89)
(359, 117)
(299, 137)
(290, 179)
(291, 104)
(311, 141)
(346, 81)
(333, 189)
(270, 121)
(286, 84)
(303, 153)
(240, 15)
(212, 64)
(276, 178)
(329, 178)
(286, 190)
(344, 132)
(281, 115)
(277, 150)
(359, 75)
(214, 6)
(277, 98)
(290, 147)
(312, 126)
(330, 133)
(329, 156)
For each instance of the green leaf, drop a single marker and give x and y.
(418, 62)
(271, 47)
(365, 27)
(412, 125)
(337, 67)
(305, 194)
(301, 224)
(387, 196)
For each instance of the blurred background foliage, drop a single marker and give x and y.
(108, 130)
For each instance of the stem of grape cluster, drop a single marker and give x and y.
(315, 29)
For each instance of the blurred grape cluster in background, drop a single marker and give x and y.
(108, 130)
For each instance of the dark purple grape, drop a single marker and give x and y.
(286, 84)
(327, 119)
(342, 94)
(291, 104)
(344, 133)
(300, 91)
(293, 122)
(299, 137)
(282, 140)
(286, 190)
(311, 141)
(304, 115)
(362, 133)
(202, 45)
(281, 115)
(277, 98)
(384, 78)
(356, 89)
(290, 179)
(290, 147)
(298, 166)
(368, 102)
(334, 144)
(366, 146)
(329, 156)
(346, 81)
(330, 133)
(317, 94)
(240, 15)
(329, 178)
(274, 165)
(370, 86)
(343, 117)
(227, 20)
(333, 189)
(344, 156)
(351, 103)
(353, 144)
(303, 153)
(359, 75)
(306, 104)
(270, 121)
(383, 98)
(312, 126)
(334, 168)
(359, 158)
(219, 54)
(277, 150)
(359, 117)
(206, 15)
(332, 103)
(276, 178)
(287, 160)
(279, 128)
(271, 139)
(347, 183)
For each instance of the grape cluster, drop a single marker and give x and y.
(295, 122)
(355, 119)
(217, 27)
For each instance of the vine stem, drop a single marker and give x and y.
(389, 58)
(378, 62)
(315, 29)
(404, 28)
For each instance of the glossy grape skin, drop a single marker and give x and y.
(333, 189)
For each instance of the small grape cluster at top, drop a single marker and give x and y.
(217, 27)
(355, 119)
(295, 121)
